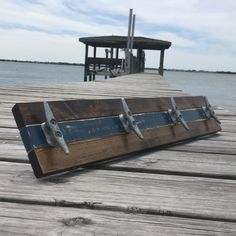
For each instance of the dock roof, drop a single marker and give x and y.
(121, 41)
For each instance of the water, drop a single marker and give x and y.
(219, 88)
(18, 73)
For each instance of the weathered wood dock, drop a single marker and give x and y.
(184, 189)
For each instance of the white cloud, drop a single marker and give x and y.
(202, 32)
(175, 39)
(39, 46)
(175, 58)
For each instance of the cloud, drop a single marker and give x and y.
(40, 46)
(197, 29)
(177, 40)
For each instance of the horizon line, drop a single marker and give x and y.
(82, 64)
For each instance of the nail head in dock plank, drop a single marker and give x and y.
(185, 189)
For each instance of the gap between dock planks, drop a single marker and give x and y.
(192, 197)
(213, 189)
(16, 218)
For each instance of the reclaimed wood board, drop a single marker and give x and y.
(33, 113)
(108, 143)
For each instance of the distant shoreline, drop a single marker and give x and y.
(44, 62)
(195, 71)
(148, 68)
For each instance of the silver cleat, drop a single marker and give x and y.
(128, 120)
(209, 111)
(176, 115)
(52, 131)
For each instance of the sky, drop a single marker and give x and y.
(202, 32)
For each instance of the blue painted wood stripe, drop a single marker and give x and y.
(76, 130)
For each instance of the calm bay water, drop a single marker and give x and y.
(220, 88)
(18, 73)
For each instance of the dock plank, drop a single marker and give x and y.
(185, 189)
(192, 197)
(20, 219)
(177, 163)
(207, 146)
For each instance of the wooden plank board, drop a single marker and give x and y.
(33, 113)
(46, 160)
(229, 126)
(176, 163)
(123, 190)
(205, 146)
(222, 136)
(49, 160)
(192, 197)
(20, 219)
(9, 134)
(154, 161)
(13, 134)
(12, 152)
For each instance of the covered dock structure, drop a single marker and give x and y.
(113, 44)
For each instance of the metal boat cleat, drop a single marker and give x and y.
(52, 131)
(209, 111)
(128, 120)
(176, 115)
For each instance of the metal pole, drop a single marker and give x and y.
(132, 59)
(127, 54)
(132, 34)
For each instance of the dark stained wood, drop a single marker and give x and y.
(50, 160)
(33, 113)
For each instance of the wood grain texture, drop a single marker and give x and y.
(205, 146)
(177, 163)
(50, 160)
(20, 219)
(192, 197)
(33, 113)
(125, 190)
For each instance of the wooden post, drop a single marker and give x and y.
(117, 56)
(127, 53)
(161, 67)
(132, 34)
(111, 63)
(106, 52)
(85, 63)
(94, 65)
(139, 55)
